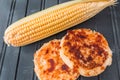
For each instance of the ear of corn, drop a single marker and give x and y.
(52, 20)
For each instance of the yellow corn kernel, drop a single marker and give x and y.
(52, 20)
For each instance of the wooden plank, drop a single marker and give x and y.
(89, 78)
(118, 60)
(111, 73)
(4, 16)
(116, 23)
(116, 13)
(34, 6)
(104, 25)
(62, 1)
(115, 26)
(10, 63)
(49, 3)
(25, 68)
(116, 29)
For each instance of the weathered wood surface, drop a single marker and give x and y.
(17, 64)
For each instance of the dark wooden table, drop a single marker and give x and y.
(17, 64)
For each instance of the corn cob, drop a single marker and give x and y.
(52, 20)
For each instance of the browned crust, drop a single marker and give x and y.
(86, 48)
(49, 65)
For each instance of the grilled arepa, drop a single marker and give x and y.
(49, 65)
(85, 50)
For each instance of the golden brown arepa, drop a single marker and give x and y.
(85, 50)
(49, 65)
